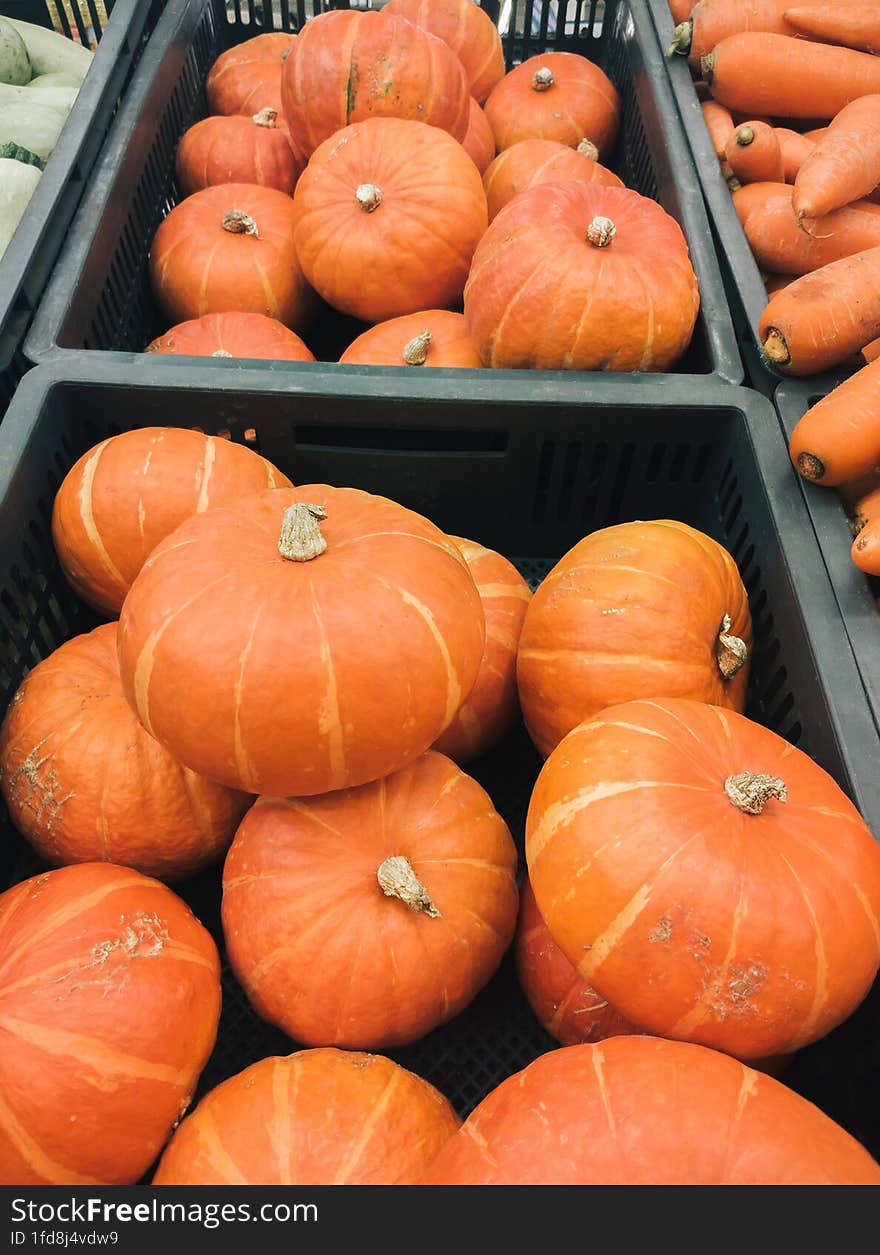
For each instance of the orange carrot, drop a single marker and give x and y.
(845, 164)
(838, 439)
(719, 124)
(711, 21)
(871, 351)
(680, 9)
(755, 195)
(779, 244)
(816, 134)
(861, 500)
(788, 78)
(775, 283)
(795, 150)
(865, 551)
(853, 25)
(754, 155)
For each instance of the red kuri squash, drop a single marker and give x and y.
(468, 30)
(233, 335)
(555, 95)
(237, 149)
(534, 161)
(247, 77)
(434, 337)
(479, 142)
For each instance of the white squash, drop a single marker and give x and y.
(56, 97)
(50, 52)
(17, 184)
(58, 78)
(15, 63)
(32, 124)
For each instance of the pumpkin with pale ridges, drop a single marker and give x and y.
(233, 335)
(367, 917)
(130, 491)
(468, 30)
(479, 142)
(433, 337)
(642, 1111)
(555, 95)
(109, 1004)
(247, 77)
(532, 162)
(323, 637)
(237, 149)
(269, 1125)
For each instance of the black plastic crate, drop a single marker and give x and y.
(712, 455)
(28, 260)
(99, 298)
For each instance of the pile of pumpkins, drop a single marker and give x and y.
(384, 165)
(293, 678)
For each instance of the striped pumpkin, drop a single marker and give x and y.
(468, 30)
(270, 1125)
(638, 610)
(109, 1003)
(492, 706)
(709, 879)
(130, 491)
(247, 77)
(367, 917)
(237, 149)
(433, 337)
(234, 335)
(85, 783)
(532, 162)
(479, 142)
(313, 655)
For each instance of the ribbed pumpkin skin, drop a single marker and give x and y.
(269, 1125)
(565, 1005)
(414, 251)
(348, 66)
(197, 267)
(290, 695)
(247, 77)
(479, 142)
(233, 335)
(641, 1111)
(540, 295)
(752, 933)
(109, 1003)
(384, 344)
(492, 707)
(630, 611)
(130, 491)
(581, 103)
(468, 30)
(316, 944)
(85, 783)
(532, 162)
(236, 149)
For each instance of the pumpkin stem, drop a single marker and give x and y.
(731, 652)
(416, 352)
(601, 232)
(221, 353)
(301, 538)
(681, 40)
(398, 880)
(542, 79)
(369, 197)
(745, 136)
(237, 222)
(266, 117)
(588, 149)
(776, 349)
(750, 792)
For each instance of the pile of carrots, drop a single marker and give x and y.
(790, 93)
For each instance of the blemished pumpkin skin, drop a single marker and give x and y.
(388, 214)
(233, 335)
(349, 65)
(247, 77)
(492, 706)
(433, 337)
(109, 1004)
(237, 149)
(635, 610)
(269, 1125)
(555, 95)
(318, 670)
(230, 249)
(643, 1111)
(532, 162)
(578, 276)
(84, 783)
(129, 492)
(479, 142)
(707, 877)
(369, 916)
(468, 30)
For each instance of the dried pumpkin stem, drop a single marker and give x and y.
(301, 538)
(750, 791)
(416, 352)
(237, 222)
(542, 79)
(588, 149)
(266, 117)
(369, 197)
(681, 40)
(776, 349)
(398, 880)
(601, 232)
(731, 651)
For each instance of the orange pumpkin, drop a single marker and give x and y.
(349, 65)
(652, 609)
(434, 337)
(247, 77)
(84, 783)
(314, 655)
(109, 1003)
(708, 878)
(555, 95)
(388, 214)
(269, 1125)
(492, 706)
(641, 1111)
(532, 162)
(230, 249)
(367, 917)
(479, 142)
(468, 30)
(233, 335)
(577, 276)
(237, 149)
(130, 491)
